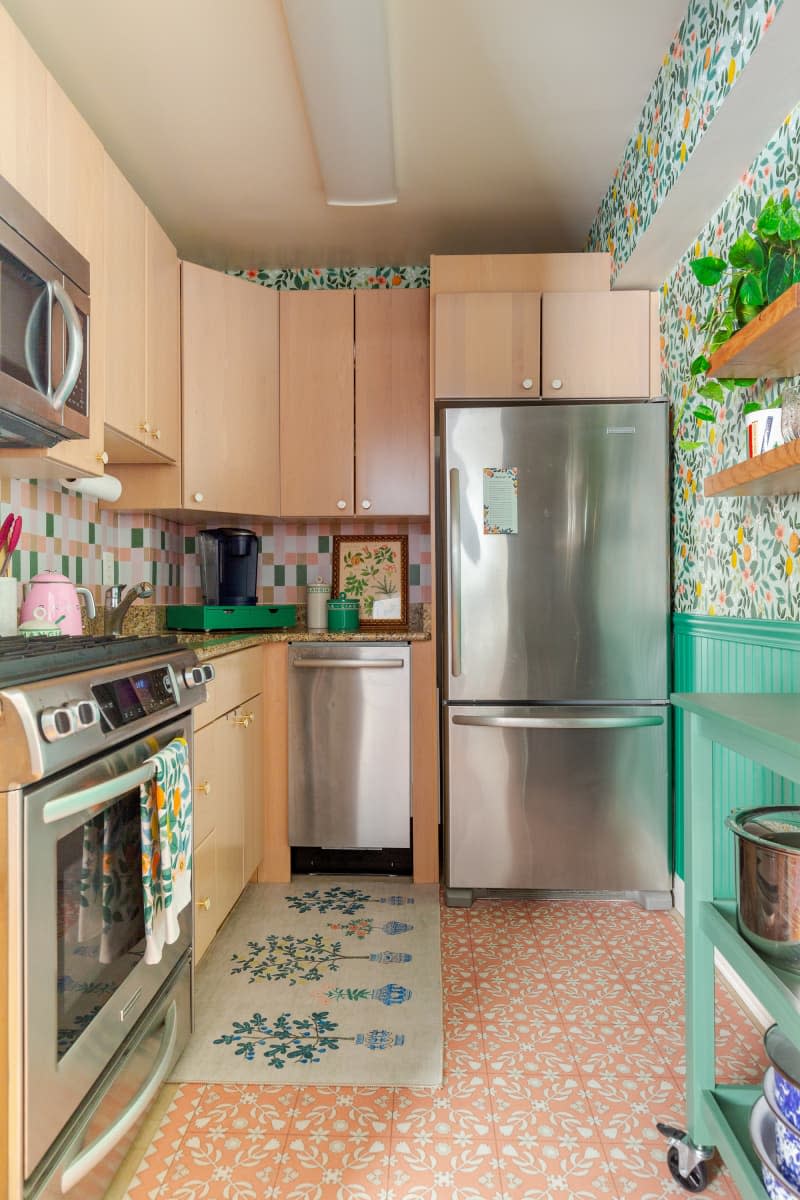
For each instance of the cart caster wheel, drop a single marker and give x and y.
(695, 1181)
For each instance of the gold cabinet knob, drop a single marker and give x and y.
(244, 720)
(556, 384)
(156, 433)
(204, 787)
(341, 504)
(144, 426)
(527, 384)
(198, 497)
(102, 457)
(205, 903)
(366, 504)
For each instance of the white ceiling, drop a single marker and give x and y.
(510, 116)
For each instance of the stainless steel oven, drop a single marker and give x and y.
(84, 915)
(93, 1029)
(44, 329)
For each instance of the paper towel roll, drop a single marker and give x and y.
(101, 487)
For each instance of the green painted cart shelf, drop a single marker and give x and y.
(765, 729)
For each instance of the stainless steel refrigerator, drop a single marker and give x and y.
(554, 671)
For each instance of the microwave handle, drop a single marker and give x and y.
(75, 355)
(99, 793)
(43, 300)
(102, 1146)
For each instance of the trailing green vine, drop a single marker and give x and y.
(760, 266)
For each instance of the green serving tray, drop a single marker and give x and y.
(211, 617)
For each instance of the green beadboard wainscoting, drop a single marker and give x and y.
(730, 654)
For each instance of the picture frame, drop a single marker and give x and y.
(373, 569)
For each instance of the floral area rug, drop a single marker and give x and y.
(322, 981)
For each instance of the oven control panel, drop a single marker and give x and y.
(131, 697)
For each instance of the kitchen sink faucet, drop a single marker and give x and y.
(116, 608)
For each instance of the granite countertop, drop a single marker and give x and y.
(212, 645)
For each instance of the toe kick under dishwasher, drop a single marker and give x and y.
(349, 750)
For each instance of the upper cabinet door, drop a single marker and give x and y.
(316, 404)
(487, 345)
(595, 345)
(162, 309)
(230, 393)
(392, 402)
(23, 115)
(124, 280)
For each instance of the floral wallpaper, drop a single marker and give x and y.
(714, 42)
(739, 556)
(288, 279)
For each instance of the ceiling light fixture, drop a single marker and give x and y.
(342, 56)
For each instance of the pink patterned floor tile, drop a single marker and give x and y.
(532, 1060)
(231, 1106)
(227, 1165)
(540, 1108)
(564, 1169)
(443, 1170)
(524, 1035)
(343, 1112)
(159, 1155)
(334, 1169)
(587, 1038)
(443, 1114)
(626, 1110)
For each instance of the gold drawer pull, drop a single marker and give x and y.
(204, 787)
(204, 903)
(244, 720)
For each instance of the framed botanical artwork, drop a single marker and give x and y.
(373, 570)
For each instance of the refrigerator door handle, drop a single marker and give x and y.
(455, 573)
(560, 722)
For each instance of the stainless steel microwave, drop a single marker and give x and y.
(44, 329)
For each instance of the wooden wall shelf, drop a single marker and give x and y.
(776, 473)
(769, 345)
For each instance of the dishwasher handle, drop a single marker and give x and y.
(561, 722)
(349, 664)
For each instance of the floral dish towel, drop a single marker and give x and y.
(166, 807)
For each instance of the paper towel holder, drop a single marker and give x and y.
(99, 487)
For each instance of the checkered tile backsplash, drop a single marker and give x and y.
(67, 532)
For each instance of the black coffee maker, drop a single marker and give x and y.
(228, 566)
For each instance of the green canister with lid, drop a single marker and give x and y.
(342, 614)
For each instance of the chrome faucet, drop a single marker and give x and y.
(116, 608)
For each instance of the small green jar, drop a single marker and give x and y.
(342, 614)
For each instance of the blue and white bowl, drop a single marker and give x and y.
(787, 1139)
(762, 1134)
(785, 1059)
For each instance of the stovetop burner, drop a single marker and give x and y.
(25, 660)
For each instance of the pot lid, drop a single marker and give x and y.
(776, 826)
(783, 1054)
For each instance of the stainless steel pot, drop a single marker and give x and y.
(768, 880)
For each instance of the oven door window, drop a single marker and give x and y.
(100, 918)
(24, 323)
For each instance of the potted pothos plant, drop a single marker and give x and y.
(759, 267)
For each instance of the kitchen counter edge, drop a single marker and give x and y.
(212, 645)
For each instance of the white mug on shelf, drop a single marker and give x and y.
(8, 605)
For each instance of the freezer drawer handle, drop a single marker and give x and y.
(102, 1146)
(349, 663)
(455, 573)
(561, 722)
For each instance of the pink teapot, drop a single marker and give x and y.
(52, 597)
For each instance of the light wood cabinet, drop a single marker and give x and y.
(23, 115)
(230, 394)
(141, 329)
(205, 892)
(316, 403)
(487, 345)
(228, 790)
(392, 420)
(595, 345)
(355, 424)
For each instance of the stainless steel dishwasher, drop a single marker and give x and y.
(349, 747)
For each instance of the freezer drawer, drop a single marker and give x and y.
(557, 798)
(350, 745)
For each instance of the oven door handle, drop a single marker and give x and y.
(99, 793)
(102, 1146)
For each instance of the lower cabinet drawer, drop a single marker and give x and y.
(206, 916)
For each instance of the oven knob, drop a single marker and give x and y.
(57, 723)
(85, 713)
(193, 676)
(208, 672)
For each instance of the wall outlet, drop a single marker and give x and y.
(108, 569)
